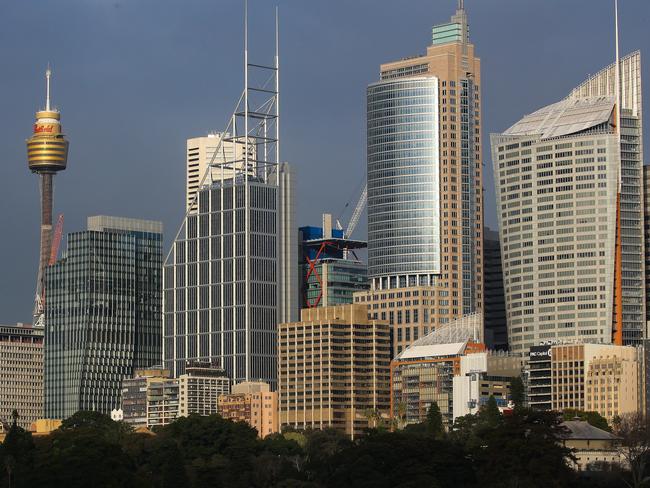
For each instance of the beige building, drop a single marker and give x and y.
(200, 387)
(254, 403)
(594, 377)
(21, 373)
(425, 207)
(333, 368)
(591, 446)
(204, 150)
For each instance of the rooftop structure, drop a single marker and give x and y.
(330, 269)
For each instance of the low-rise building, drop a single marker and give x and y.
(253, 403)
(424, 372)
(333, 368)
(484, 375)
(162, 401)
(200, 388)
(582, 373)
(592, 447)
(21, 373)
(603, 378)
(134, 394)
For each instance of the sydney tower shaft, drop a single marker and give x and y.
(47, 153)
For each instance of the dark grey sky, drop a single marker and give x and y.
(135, 78)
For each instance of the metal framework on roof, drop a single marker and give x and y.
(466, 328)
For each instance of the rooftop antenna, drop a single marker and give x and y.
(48, 75)
(617, 82)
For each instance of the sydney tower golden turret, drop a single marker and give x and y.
(47, 153)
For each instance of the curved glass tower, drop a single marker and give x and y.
(403, 181)
(425, 194)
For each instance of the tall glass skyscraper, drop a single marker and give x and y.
(103, 314)
(570, 207)
(425, 199)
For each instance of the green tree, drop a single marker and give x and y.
(489, 413)
(517, 393)
(434, 421)
(16, 454)
(523, 451)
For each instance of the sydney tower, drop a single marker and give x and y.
(47, 153)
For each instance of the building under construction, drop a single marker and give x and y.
(330, 269)
(47, 154)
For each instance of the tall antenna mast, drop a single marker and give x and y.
(48, 74)
(277, 92)
(617, 86)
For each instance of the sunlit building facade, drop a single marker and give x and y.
(425, 200)
(557, 179)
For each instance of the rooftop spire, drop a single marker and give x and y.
(48, 74)
(461, 4)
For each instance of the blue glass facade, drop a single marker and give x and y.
(403, 181)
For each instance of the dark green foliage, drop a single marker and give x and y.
(489, 413)
(594, 418)
(517, 391)
(434, 421)
(486, 450)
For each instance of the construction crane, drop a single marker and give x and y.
(358, 210)
(54, 251)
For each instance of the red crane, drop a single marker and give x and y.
(56, 241)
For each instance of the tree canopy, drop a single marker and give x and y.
(486, 450)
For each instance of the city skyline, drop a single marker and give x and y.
(142, 111)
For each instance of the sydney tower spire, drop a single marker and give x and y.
(47, 153)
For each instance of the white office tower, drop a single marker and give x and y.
(570, 207)
(209, 150)
(231, 275)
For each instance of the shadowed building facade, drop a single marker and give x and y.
(103, 314)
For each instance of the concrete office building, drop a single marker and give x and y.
(103, 314)
(21, 373)
(557, 177)
(425, 197)
(484, 375)
(330, 269)
(424, 372)
(333, 369)
(163, 401)
(200, 387)
(253, 403)
(494, 313)
(538, 377)
(215, 149)
(603, 378)
(646, 236)
(135, 392)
